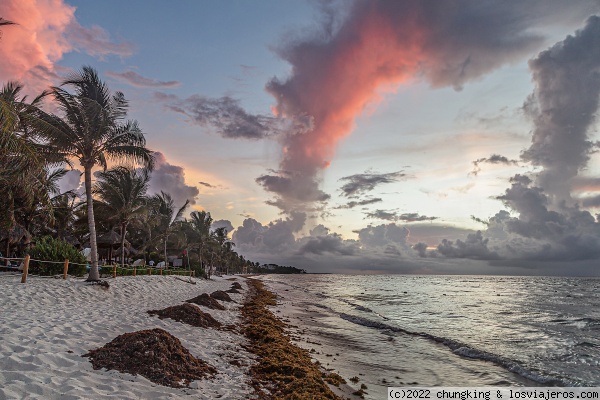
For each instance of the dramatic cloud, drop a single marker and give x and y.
(296, 190)
(352, 204)
(224, 115)
(493, 159)
(277, 236)
(359, 184)
(135, 79)
(340, 71)
(545, 223)
(46, 30)
(563, 107)
(475, 247)
(171, 179)
(321, 241)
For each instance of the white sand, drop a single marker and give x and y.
(47, 324)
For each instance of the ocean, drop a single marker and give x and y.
(399, 330)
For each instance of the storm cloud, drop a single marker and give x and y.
(563, 107)
(361, 46)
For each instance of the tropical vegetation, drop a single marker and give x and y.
(113, 214)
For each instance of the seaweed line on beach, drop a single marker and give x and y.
(283, 368)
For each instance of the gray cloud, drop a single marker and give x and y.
(225, 115)
(563, 107)
(383, 235)
(171, 179)
(392, 216)
(493, 159)
(277, 236)
(71, 180)
(366, 202)
(446, 44)
(332, 244)
(545, 223)
(297, 191)
(475, 247)
(359, 184)
(543, 226)
(222, 223)
(137, 80)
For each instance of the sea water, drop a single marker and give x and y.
(397, 330)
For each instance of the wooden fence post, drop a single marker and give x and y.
(114, 270)
(161, 271)
(25, 269)
(66, 268)
(150, 270)
(134, 269)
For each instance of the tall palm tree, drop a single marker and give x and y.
(166, 215)
(200, 221)
(122, 191)
(93, 130)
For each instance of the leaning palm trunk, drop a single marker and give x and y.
(94, 275)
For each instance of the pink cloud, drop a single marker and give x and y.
(29, 50)
(45, 31)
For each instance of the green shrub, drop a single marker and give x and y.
(199, 271)
(50, 249)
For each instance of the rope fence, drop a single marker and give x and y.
(117, 270)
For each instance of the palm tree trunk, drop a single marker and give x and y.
(165, 253)
(123, 233)
(93, 275)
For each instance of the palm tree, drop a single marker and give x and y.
(38, 210)
(200, 221)
(93, 130)
(166, 215)
(122, 192)
(23, 159)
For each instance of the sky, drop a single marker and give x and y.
(455, 137)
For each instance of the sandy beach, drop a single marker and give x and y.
(48, 324)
